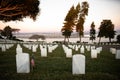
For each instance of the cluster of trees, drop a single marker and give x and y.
(106, 30)
(6, 33)
(75, 19)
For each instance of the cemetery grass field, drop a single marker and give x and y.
(57, 67)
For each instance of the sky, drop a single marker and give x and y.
(53, 13)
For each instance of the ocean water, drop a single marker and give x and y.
(49, 40)
(50, 37)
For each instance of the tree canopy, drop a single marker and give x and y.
(81, 18)
(69, 23)
(106, 30)
(92, 31)
(37, 37)
(11, 10)
(75, 19)
(7, 32)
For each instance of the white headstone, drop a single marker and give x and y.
(44, 52)
(93, 53)
(69, 53)
(23, 63)
(92, 47)
(49, 49)
(99, 49)
(3, 48)
(78, 64)
(82, 49)
(118, 54)
(113, 50)
(19, 49)
(88, 48)
(34, 48)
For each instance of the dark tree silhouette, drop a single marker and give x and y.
(92, 32)
(118, 38)
(7, 32)
(37, 37)
(80, 24)
(106, 30)
(15, 30)
(69, 23)
(18, 9)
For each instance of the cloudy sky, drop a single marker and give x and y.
(53, 12)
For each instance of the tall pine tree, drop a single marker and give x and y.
(69, 24)
(92, 32)
(80, 24)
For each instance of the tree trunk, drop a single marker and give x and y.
(109, 39)
(80, 37)
(5, 43)
(99, 40)
(64, 39)
(68, 39)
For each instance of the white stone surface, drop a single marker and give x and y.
(92, 47)
(93, 53)
(44, 52)
(69, 53)
(113, 50)
(118, 54)
(19, 49)
(82, 50)
(88, 48)
(34, 48)
(99, 49)
(23, 63)
(76, 47)
(3, 48)
(78, 64)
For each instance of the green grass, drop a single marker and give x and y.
(57, 67)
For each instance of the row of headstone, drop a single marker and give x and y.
(51, 48)
(113, 50)
(108, 43)
(116, 52)
(34, 48)
(72, 46)
(22, 60)
(81, 47)
(77, 47)
(29, 46)
(4, 47)
(67, 51)
(99, 49)
(95, 51)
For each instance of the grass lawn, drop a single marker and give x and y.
(57, 67)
